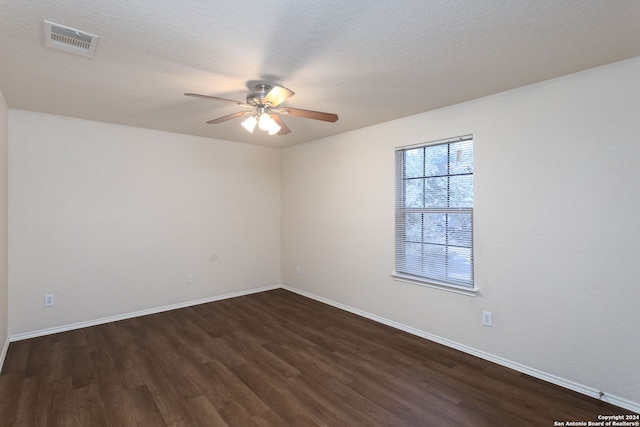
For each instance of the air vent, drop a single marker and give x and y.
(69, 39)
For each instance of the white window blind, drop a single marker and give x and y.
(434, 212)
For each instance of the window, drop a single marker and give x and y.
(434, 213)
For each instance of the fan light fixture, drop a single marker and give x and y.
(250, 123)
(264, 121)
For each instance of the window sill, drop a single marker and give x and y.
(472, 292)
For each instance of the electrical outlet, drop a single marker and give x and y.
(298, 271)
(189, 279)
(487, 318)
(49, 300)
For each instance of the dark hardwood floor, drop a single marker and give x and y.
(268, 359)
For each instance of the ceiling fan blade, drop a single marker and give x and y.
(277, 95)
(229, 117)
(283, 128)
(215, 98)
(308, 114)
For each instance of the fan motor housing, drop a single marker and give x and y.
(255, 98)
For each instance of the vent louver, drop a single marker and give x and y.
(69, 39)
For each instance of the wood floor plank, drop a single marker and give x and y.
(30, 397)
(107, 375)
(37, 359)
(269, 359)
(273, 397)
(134, 407)
(203, 413)
(10, 400)
(231, 392)
(89, 407)
(322, 392)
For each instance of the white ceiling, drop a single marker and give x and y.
(369, 61)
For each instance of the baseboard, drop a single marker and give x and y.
(3, 355)
(130, 315)
(562, 382)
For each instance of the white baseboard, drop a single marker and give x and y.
(124, 316)
(3, 355)
(562, 382)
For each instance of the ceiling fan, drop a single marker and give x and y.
(265, 110)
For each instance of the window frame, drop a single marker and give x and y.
(402, 210)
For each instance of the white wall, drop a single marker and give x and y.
(4, 278)
(557, 238)
(110, 219)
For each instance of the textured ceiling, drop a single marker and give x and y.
(368, 61)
